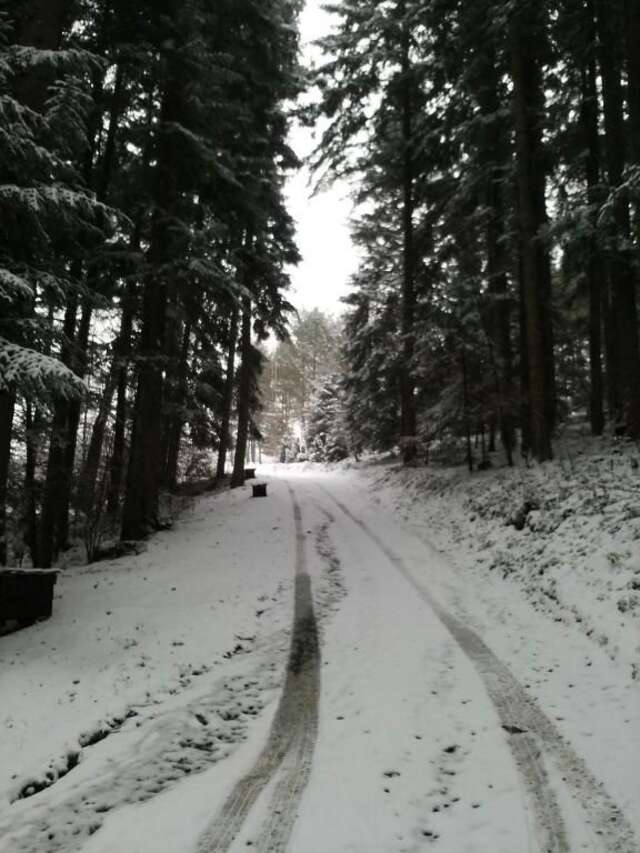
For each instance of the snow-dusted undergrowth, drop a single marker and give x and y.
(577, 556)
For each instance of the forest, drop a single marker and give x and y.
(144, 241)
(146, 249)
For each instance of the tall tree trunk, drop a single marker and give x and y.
(101, 180)
(117, 461)
(75, 408)
(408, 424)
(171, 392)
(140, 512)
(465, 408)
(141, 505)
(175, 422)
(623, 275)
(632, 30)
(53, 486)
(62, 445)
(32, 425)
(526, 29)
(57, 448)
(612, 366)
(244, 394)
(7, 408)
(595, 267)
(118, 452)
(227, 400)
(88, 477)
(494, 156)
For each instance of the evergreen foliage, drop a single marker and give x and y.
(493, 168)
(294, 373)
(327, 433)
(145, 244)
(143, 152)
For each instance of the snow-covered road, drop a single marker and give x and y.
(437, 713)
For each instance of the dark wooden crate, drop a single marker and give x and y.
(260, 490)
(249, 473)
(26, 595)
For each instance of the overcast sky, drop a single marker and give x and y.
(323, 233)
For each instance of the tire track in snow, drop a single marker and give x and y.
(535, 735)
(289, 750)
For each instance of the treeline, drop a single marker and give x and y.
(293, 373)
(495, 145)
(143, 242)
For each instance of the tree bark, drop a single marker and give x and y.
(117, 461)
(623, 276)
(32, 422)
(595, 266)
(141, 505)
(54, 485)
(102, 180)
(89, 475)
(465, 409)
(494, 156)
(408, 423)
(7, 408)
(526, 29)
(525, 406)
(175, 421)
(632, 30)
(140, 512)
(244, 393)
(227, 401)
(75, 409)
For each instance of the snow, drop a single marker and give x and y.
(591, 698)
(146, 634)
(190, 639)
(391, 712)
(577, 559)
(13, 286)
(38, 373)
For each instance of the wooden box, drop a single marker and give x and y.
(26, 595)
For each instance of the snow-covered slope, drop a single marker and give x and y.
(576, 556)
(139, 653)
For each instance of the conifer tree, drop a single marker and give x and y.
(45, 207)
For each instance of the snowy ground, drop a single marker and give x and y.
(577, 557)
(452, 710)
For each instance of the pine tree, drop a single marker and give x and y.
(375, 51)
(293, 373)
(610, 28)
(526, 38)
(45, 208)
(327, 437)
